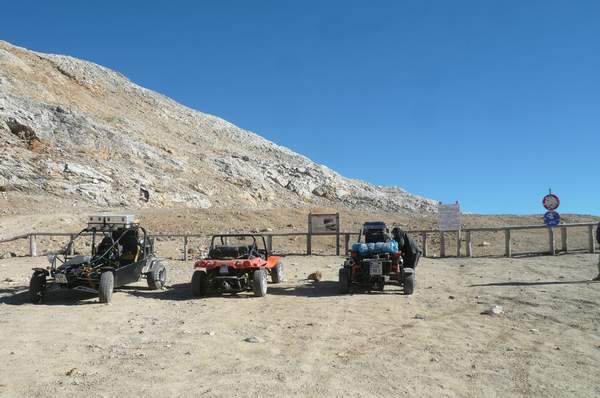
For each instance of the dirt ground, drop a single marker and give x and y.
(311, 341)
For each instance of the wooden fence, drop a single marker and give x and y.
(425, 237)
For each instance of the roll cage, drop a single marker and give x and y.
(374, 229)
(223, 240)
(145, 244)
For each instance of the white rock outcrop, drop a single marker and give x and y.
(76, 130)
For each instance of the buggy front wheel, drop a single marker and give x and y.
(199, 284)
(409, 283)
(344, 281)
(106, 287)
(259, 282)
(37, 287)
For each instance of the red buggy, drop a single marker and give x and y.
(236, 263)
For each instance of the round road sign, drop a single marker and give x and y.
(551, 218)
(551, 202)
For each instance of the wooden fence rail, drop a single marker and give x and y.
(424, 234)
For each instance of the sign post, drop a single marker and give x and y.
(552, 219)
(551, 203)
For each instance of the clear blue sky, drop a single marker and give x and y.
(486, 102)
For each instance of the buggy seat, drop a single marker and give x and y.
(232, 252)
(130, 251)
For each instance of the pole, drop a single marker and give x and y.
(507, 243)
(458, 243)
(564, 237)
(346, 243)
(185, 248)
(469, 245)
(309, 236)
(442, 244)
(592, 241)
(424, 237)
(32, 246)
(337, 234)
(551, 241)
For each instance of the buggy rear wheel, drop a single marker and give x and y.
(157, 278)
(344, 281)
(277, 273)
(106, 287)
(259, 282)
(199, 284)
(409, 283)
(37, 287)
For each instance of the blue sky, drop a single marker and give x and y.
(486, 102)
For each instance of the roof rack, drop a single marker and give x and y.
(111, 221)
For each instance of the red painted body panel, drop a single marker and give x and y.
(256, 262)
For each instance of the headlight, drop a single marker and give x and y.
(51, 258)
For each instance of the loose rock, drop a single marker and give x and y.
(253, 339)
(494, 310)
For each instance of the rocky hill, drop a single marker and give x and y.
(76, 131)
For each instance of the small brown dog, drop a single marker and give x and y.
(315, 276)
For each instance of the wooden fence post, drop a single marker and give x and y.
(185, 248)
(458, 243)
(551, 242)
(442, 244)
(337, 234)
(346, 243)
(309, 236)
(507, 243)
(425, 251)
(32, 246)
(592, 241)
(270, 243)
(563, 236)
(469, 245)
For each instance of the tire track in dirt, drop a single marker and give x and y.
(312, 373)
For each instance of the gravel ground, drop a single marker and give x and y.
(304, 339)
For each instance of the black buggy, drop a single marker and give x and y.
(375, 263)
(121, 253)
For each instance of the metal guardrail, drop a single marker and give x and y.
(424, 234)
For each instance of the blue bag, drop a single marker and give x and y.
(360, 248)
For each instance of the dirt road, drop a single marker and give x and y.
(309, 340)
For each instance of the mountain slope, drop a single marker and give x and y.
(78, 131)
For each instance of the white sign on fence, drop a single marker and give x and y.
(324, 223)
(449, 217)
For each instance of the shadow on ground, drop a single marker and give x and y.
(183, 291)
(542, 283)
(322, 289)
(176, 292)
(311, 289)
(19, 295)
